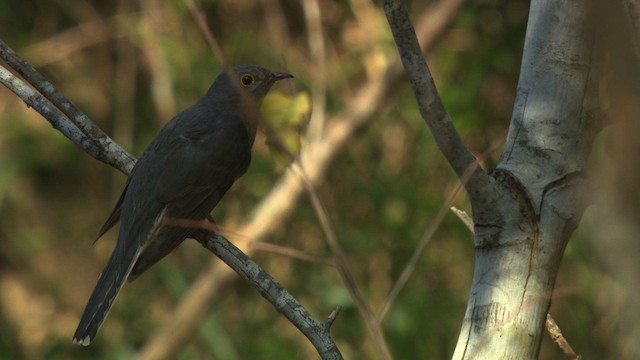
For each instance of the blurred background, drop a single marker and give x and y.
(131, 66)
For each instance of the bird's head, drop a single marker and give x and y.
(257, 80)
(239, 90)
(247, 79)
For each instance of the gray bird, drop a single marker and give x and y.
(182, 174)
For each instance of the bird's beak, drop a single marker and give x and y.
(277, 75)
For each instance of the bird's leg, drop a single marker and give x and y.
(203, 233)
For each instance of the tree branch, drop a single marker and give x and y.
(350, 283)
(559, 339)
(519, 238)
(283, 301)
(268, 287)
(95, 142)
(429, 102)
(57, 119)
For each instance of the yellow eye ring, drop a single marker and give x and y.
(247, 79)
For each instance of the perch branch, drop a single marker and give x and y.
(266, 285)
(107, 150)
(57, 119)
(270, 289)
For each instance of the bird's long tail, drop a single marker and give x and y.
(111, 280)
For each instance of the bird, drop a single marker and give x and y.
(182, 174)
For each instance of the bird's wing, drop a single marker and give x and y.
(114, 217)
(170, 237)
(196, 174)
(202, 161)
(116, 212)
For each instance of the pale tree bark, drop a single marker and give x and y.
(540, 179)
(526, 209)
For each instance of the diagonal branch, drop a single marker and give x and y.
(108, 151)
(57, 119)
(267, 286)
(343, 268)
(282, 300)
(559, 339)
(429, 103)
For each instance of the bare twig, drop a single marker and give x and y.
(428, 234)
(464, 217)
(417, 252)
(290, 252)
(426, 237)
(333, 316)
(559, 339)
(108, 151)
(315, 39)
(267, 286)
(271, 290)
(57, 119)
(343, 267)
(429, 103)
(201, 21)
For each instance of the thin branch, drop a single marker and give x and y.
(315, 39)
(428, 234)
(417, 253)
(108, 151)
(464, 217)
(429, 103)
(201, 21)
(559, 339)
(343, 268)
(333, 316)
(271, 290)
(331, 238)
(267, 286)
(57, 119)
(290, 252)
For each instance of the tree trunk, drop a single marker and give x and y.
(536, 203)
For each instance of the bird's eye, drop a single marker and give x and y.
(247, 80)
